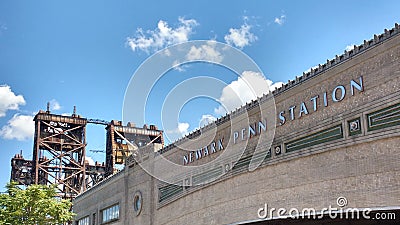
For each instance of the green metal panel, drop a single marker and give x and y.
(387, 117)
(330, 134)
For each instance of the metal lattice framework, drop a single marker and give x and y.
(21, 170)
(122, 141)
(94, 174)
(59, 153)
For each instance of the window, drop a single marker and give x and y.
(110, 213)
(94, 219)
(84, 221)
(137, 202)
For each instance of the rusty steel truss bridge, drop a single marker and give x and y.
(59, 152)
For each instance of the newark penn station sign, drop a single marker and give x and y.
(293, 112)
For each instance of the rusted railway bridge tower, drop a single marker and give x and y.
(122, 141)
(59, 152)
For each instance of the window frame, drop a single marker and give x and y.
(85, 220)
(110, 214)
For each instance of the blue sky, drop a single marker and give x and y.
(84, 53)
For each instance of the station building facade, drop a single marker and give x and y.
(336, 144)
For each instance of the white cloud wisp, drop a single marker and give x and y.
(280, 20)
(247, 87)
(207, 52)
(181, 129)
(19, 127)
(8, 100)
(207, 119)
(163, 36)
(240, 37)
(54, 105)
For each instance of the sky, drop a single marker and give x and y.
(85, 53)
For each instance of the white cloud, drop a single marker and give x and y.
(205, 52)
(280, 20)
(349, 47)
(8, 100)
(20, 127)
(275, 85)
(312, 68)
(162, 36)
(89, 160)
(206, 119)
(167, 52)
(181, 129)
(54, 105)
(247, 87)
(179, 67)
(241, 37)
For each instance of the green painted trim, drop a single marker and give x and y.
(387, 117)
(246, 160)
(208, 175)
(168, 191)
(330, 134)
